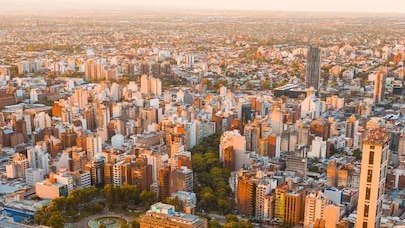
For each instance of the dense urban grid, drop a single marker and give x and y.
(202, 120)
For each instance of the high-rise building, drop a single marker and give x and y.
(141, 174)
(32, 176)
(96, 169)
(331, 215)
(289, 205)
(94, 145)
(379, 86)
(246, 112)
(315, 204)
(245, 197)
(68, 138)
(374, 164)
(331, 174)
(81, 96)
(352, 127)
(277, 124)
(265, 200)
(164, 181)
(237, 141)
(108, 173)
(145, 84)
(313, 68)
(181, 179)
(252, 136)
(143, 68)
(156, 70)
(90, 116)
(18, 164)
(228, 158)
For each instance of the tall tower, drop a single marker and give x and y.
(379, 86)
(276, 119)
(352, 126)
(145, 84)
(313, 68)
(374, 163)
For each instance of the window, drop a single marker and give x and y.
(372, 147)
(364, 224)
(371, 158)
(369, 175)
(368, 193)
(365, 214)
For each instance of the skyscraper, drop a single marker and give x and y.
(379, 86)
(313, 68)
(374, 163)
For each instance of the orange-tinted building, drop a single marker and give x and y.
(164, 181)
(246, 200)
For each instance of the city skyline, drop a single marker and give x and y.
(373, 6)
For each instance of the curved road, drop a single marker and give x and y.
(83, 223)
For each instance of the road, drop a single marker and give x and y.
(221, 219)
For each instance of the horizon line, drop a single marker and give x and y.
(175, 10)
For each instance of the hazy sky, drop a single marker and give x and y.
(267, 5)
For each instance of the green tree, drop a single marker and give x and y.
(224, 206)
(232, 225)
(231, 218)
(42, 215)
(97, 208)
(108, 193)
(56, 220)
(175, 202)
(59, 203)
(148, 197)
(214, 224)
(199, 163)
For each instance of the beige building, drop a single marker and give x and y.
(375, 160)
(315, 204)
(164, 215)
(50, 189)
(331, 215)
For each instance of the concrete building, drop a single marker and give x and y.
(94, 145)
(374, 163)
(264, 210)
(96, 169)
(50, 189)
(331, 215)
(313, 68)
(164, 215)
(315, 204)
(311, 107)
(289, 205)
(17, 167)
(66, 179)
(181, 179)
(246, 191)
(82, 179)
(318, 148)
(237, 141)
(32, 176)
